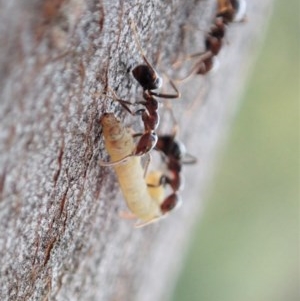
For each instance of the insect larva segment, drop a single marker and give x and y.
(145, 205)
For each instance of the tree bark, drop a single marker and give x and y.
(60, 234)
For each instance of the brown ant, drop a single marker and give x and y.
(228, 11)
(213, 45)
(174, 155)
(149, 79)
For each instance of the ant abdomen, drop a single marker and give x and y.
(147, 77)
(205, 66)
(170, 203)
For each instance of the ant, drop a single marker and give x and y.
(150, 80)
(146, 75)
(174, 155)
(213, 45)
(228, 11)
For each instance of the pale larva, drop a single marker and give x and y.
(147, 204)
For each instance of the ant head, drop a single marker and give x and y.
(147, 77)
(170, 203)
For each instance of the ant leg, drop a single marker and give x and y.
(199, 67)
(163, 95)
(189, 57)
(186, 58)
(145, 145)
(137, 41)
(137, 135)
(184, 29)
(123, 160)
(124, 103)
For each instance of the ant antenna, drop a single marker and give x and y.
(113, 163)
(137, 41)
(146, 75)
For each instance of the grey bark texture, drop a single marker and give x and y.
(60, 234)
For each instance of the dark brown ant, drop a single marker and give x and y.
(174, 155)
(149, 79)
(228, 11)
(213, 45)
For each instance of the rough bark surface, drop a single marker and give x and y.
(60, 234)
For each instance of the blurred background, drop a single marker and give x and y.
(246, 247)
